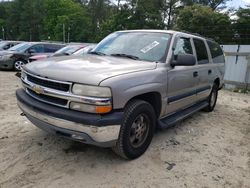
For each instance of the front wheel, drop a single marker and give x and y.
(18, 64)
(212, 99)
(137, 130)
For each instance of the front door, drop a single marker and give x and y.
(182, 80)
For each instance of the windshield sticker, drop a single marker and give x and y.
(149, 47)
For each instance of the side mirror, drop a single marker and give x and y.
(184, 60)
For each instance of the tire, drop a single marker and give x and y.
(18, 64)
(136, 131)
(212, 99)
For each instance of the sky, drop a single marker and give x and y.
(238, 3)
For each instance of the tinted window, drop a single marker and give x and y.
(38, 48)
(216, 52)
(183, 46)
(201, 51)
(51, 48)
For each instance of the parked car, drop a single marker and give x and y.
(5, 45)
(17, 56)
(67, 50)
(85, 50)
(131, 83)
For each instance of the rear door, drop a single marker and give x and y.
(182, 80)
(204, 69)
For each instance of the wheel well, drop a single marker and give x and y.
(217, 82)
(153, 98)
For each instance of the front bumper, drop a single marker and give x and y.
(6, 64)
(100, 130)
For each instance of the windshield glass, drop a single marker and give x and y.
(68, 50)
(20, 47)
(2, 44)
(84, 50)
(148, 46)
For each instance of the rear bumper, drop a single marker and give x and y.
(87, 128)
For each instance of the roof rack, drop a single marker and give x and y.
(196, 34)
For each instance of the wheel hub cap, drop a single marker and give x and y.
(139, 131)
(18, 65)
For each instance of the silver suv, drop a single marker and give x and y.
(131, 83)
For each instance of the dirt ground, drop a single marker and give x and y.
(206, 150)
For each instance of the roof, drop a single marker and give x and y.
(188, 34)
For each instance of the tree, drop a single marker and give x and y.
(170, 9)
(242, 26)
(68, 15)
(203, 20)
(214, 4)
(25, 19)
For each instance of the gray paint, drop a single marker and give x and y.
(129, 78)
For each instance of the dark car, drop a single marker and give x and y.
(67, 50)
(17, 56)
(5, 45)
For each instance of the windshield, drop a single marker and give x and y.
(20, 47)
(84, 50)
(68, 50)
(3, 44)
(148, 46)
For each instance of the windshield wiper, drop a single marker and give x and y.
(126, 55)
(96, 53)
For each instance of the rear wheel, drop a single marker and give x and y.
(212, 99)
(18, 64)
(136, 131)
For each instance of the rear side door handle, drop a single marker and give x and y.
(209, 71)
(195, 74)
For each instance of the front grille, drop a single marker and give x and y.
(49, 84)
(48, 99)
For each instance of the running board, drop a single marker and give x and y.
(171, 120)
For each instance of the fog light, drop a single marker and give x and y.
(77, 137)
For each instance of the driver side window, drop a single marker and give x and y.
(183, 46)
(38, 48)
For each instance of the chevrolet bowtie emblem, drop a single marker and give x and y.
(38, 89)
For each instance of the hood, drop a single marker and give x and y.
(90, 69)
(7, 52)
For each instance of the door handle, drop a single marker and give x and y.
(195, 74)
(209, 71)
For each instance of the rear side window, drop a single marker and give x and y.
(38, 48)
(201, 51)
(216, 52)
(51, 48)
(183, 46)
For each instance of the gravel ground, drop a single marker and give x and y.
(205, 150)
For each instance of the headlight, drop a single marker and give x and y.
(6, 56)
(93, 91)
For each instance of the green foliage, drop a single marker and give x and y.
(91, 20)
(214, 4)
(67, 14)
(203, 20)
(242, 26)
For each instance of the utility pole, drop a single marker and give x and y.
(3, 32)
(68, 33)
(63, 33)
